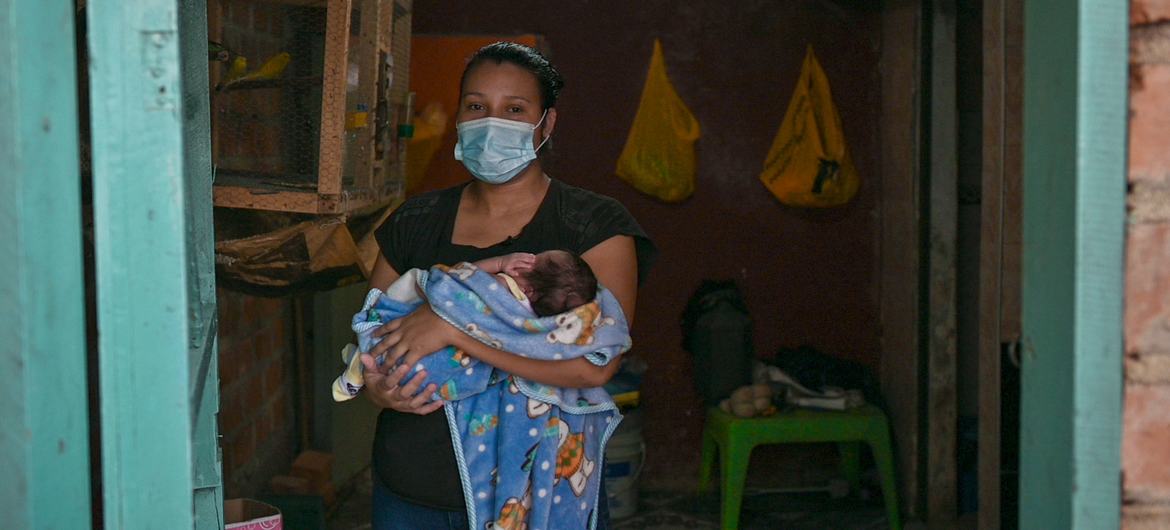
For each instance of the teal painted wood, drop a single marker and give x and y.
(206, 467)
(1074, 210)
(142, 263)
(44, 441)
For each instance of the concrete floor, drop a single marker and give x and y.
(660, 510)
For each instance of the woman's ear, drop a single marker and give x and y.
(550, 121)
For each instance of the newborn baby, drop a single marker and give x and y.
(549, 283)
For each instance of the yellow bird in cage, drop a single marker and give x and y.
(237, 70)
(271, 69)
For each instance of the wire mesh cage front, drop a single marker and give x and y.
(268, 125)
(279, 81)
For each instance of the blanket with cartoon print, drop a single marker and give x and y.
(529, 455)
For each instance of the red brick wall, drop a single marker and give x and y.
(256, 367)
(1146, 432)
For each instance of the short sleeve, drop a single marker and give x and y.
(393, 242)
(402, 237)
(602, 217)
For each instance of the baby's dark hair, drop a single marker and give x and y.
(547, 77)
(559, 285)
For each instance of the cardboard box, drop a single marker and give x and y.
(248, 514)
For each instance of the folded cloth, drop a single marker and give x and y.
(528, 454)
(829, 397)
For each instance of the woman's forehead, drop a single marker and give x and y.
(503, 79)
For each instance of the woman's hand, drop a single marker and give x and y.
(383, 390)
(413, 337)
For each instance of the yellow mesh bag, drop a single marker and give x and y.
(659, 156)
(809, 163)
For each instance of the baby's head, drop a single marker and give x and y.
(558, 282)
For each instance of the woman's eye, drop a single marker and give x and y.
(516, 110)
(474, 106)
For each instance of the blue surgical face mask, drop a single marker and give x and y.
(495, 150)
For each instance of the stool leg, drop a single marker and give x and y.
(734, 463)
(884, 458)
(707, 461)
(851, 464)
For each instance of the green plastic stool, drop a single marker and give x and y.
(735, 437)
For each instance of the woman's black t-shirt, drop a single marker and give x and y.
(413, 455)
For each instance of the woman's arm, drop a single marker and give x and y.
(613, 262)
(422, 332)
(383, 274)
(382, 386)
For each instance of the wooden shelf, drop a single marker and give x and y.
(298, 3)
(280, 197)
(273, 83)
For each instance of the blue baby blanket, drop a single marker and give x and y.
(529, 455)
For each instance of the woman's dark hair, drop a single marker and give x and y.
(559, 285)
(547, 77)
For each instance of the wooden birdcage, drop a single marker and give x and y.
(327, 135)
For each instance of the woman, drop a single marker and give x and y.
(507, 115)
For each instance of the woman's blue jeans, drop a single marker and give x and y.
(391, 512)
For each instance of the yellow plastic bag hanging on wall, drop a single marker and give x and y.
(659, 156)
(809, 163)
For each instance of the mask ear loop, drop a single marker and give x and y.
(534, 127)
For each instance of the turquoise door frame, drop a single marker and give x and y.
(154, 269)
(1075, 93)
(155, 275)
(154, 264)
(203, 358)
(44, 439)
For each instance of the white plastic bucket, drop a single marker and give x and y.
(624, 456)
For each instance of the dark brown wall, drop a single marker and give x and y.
(810, 276)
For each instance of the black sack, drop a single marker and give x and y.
(717, 331)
